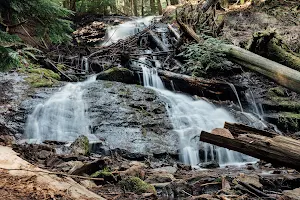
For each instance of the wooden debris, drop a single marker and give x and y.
(279, 150)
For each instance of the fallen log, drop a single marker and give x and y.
(154, 38)
(54, 68)
(237, 129)
(210, 88)
(279, 73)
(278, 150)
(174, 32)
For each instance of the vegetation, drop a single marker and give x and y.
(200, 58)
(136, 185)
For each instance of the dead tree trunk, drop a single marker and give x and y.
(278, 149)
(152, 6)
(159, 7)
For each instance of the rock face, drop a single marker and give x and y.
(129, 117)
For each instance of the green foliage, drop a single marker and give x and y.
(48, 17)
(200, 58)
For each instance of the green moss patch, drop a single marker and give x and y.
(40, 77)
(136, 185)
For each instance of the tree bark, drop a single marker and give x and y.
(278, 150)
(159, 7)
(135, 9)
(142, 9)
(152, 6)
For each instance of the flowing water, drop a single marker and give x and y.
(62, 117)
(189, 118)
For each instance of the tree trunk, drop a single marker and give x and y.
(73, 5)
(135, 9)
(279, 150)
(142, 9)
(155, 39)
(152, 6)
(159, 7)
(174, 2)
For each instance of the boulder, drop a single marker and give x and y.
(118, 74)
(80, 146)
(210, 165)
(160, 177)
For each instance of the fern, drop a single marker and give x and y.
(202, 58)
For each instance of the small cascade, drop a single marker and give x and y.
(189, 118)
(62, 117)
(85, 64)
(237, 95)
(256, 108)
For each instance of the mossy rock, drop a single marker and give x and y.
(289, 121)
(106, 174)
(276, 92)
(40, 77)
(136, 185)
(118, 74)
(80, 146)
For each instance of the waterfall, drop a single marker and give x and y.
(236, 94)
(62, 117)
(189, 118)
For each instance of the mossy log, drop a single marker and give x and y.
(279, 73)
(278, 150)
(269, 44)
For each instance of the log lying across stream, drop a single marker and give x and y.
(271, 147)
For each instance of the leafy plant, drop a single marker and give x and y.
(201, 58)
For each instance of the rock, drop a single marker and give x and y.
(106, 174)
(160, 177)
(69, 166)
(203, 197)
(80, 146)
(178, 186)
(92, 167)
(184, 166)
(135, 169)
(88, 184)
(7, 140)
(292, 194)
(210, 165)
(167, 169)
(118, 74)
(250, 179)
(222, 132)
(136, 185)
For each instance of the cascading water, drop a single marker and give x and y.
(189, 118)
(62, 117)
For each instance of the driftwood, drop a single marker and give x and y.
(174, 32)
(276, 149)
(237, 129)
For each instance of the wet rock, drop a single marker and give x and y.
(118, 74)
(136, 185)
(80, 146)
(210, 165)
(184, 166)
(127, 119)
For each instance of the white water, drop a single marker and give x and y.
(122, 31)
(62, 117)
(189, 118)
(237, 96)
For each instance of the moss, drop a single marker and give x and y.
(289, 120)
(61, 67)
(40, 77)
(118, 74)
(276, 91)
(136, 185)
